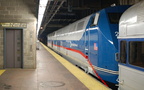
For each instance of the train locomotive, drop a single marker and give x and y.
(131, 48)
(94, 38)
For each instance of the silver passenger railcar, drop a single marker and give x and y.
(131, 48)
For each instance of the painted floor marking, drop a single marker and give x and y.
(1, 72)
(87, 80)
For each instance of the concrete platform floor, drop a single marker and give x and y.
(49, 75)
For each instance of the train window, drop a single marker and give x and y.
(94, 20)
(114, 17)
(123, 53)
(136, 53)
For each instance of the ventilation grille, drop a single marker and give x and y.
(80, 25)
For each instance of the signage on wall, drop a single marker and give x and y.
(19, 25)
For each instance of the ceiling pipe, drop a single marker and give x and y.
(54, 13)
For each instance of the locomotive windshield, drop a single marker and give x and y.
(114, 17)
(136, 53)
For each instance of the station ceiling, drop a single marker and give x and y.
(60, 13)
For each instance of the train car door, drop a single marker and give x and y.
(91, 40)
(91, 47)
(58, 45)
(13, 48)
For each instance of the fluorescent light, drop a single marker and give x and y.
(42, 7)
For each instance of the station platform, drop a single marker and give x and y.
(53, 72)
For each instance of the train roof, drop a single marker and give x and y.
(131, 24)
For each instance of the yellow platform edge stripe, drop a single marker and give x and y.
(1, 72)
(87, 80)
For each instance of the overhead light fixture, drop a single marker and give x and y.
(42, 7)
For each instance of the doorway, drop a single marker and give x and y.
(13, 48)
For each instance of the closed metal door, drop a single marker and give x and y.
(13, 48)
